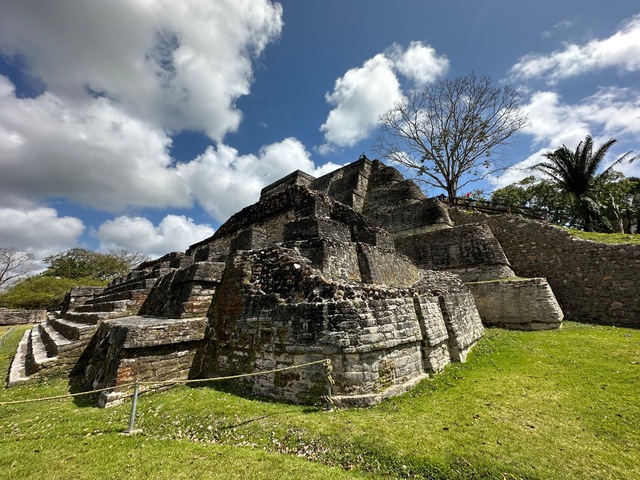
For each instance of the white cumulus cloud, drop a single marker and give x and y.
(419, 62)
(92, 153)
(175, 233)
(358, 98)
(621, 50)
(177, 65)
(40, 230)
(364, 93)
(610, 113)
(223, 181)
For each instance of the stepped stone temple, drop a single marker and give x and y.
(357, 266)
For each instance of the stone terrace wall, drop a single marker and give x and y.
(593, 282)
(19, 317)
(471, 251)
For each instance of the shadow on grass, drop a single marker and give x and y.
(88, 400)
(245, 393)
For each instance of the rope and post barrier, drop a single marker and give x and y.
(134, 405)
(328, 368)
(328, 398)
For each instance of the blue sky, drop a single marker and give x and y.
(145, 124)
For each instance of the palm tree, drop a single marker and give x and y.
(576, 173)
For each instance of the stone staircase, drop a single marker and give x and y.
(55, 345)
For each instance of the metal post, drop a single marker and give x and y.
(134, 405)
(328, 368)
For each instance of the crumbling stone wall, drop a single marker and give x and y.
(274, 309)
(184, 293)
(348, 185)
(593, 282)
(399, 205)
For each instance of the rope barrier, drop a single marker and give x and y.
(67, 395)
(232, 377)
(175, 382)
(6, 334)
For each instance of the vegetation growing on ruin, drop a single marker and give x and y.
(631, 239)
(556, 404)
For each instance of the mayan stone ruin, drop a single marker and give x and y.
(357, 266)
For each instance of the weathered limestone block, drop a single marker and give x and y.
(517, 304)
(385, 266)
(249, 239)
(184, 293)
(140, 349)
(296, 178)
(435, 337)
(139, 332)
(348, 185)
(312, 227)
(470, 251)
(463, 323)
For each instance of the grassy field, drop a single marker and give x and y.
(537, 405)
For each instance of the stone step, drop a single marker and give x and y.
(73, 330)
(131, 295)
(91, 318)
(57, 345)
(18, 370)
(112, 306)
(135, 284)
(37, 357)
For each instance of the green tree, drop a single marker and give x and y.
(81, 263)
(617, 197)
(576, 173)
(449, 133)
(618, 202)
(543, 198)
(42, 292)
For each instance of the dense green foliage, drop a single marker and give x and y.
(559, 404)
(614, 202)
(81, 263)
(42, 292)
(576, 174)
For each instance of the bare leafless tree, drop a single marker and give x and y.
(14, 265)
(133, 259)
(450, 133)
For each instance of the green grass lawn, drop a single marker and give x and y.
(4, 329)
(538, 405)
